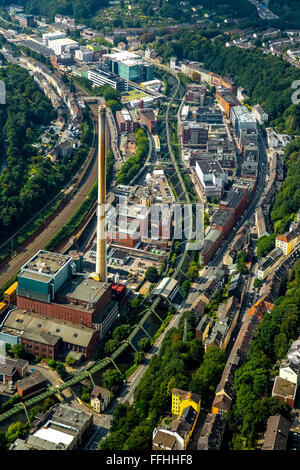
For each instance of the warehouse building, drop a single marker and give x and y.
(48, 337)
(59, 46)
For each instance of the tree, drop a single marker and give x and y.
(114, 105)
(61, 370)
(139, 357)
(111, 346)
(151, 274)
(136, 303)
(112, 380)
(144, 344)
(207, 377)
(86, 397)
(121, 332)
(265, 245)
(16, 430)
(70, 361)
(241, 262)
(52, 363)
(257, 282)
(186, 286)
(19, 351)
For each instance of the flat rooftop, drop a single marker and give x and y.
(221, 217)
(46, 262)
(82, 289)
(37, 327)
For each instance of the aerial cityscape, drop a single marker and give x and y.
(150, 227)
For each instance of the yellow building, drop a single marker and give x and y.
(182, 399)
(287, 241)
(186, 406)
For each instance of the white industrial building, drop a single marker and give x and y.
(52, 36)
(211, 177)
(62, 45)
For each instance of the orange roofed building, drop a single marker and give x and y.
(260, 307)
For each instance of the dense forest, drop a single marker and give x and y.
(81, 11)
(288, 12)
(287, 202)
(253, 404)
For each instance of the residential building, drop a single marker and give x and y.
(212, 241)
(290, 370)
(203, 327)
(185, 410)
(284, 390)
(266, 264)
(212, 433)
(288, 241)
(260, 115)
(294, 431)
(182, 399)
(196, 94)
(27, 21)
(227, 101)
(100, 398)
(224, 326)
(12, 369)
(243, 120)
(225, 392)
(194, 133)
(127, 120)
(277, 433)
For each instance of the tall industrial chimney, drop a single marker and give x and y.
(101, 270)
